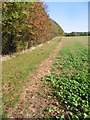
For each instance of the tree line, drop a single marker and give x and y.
(77, 34)
(25, 24)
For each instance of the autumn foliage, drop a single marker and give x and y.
(25, 24)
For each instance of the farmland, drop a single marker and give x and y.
(69, 81)
(45, 68)
(61, 93)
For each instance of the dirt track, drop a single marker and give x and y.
(32, 103)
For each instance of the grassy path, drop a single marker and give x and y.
(16, 70)
(33, 99)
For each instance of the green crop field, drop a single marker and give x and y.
(69, 81)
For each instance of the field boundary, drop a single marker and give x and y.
(7, 57)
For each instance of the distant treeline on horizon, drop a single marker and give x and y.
(78, 34)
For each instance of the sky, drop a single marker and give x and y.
(71, 16)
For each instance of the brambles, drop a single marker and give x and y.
(71, 86)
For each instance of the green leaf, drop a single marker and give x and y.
(63, 117)
(85, 115)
